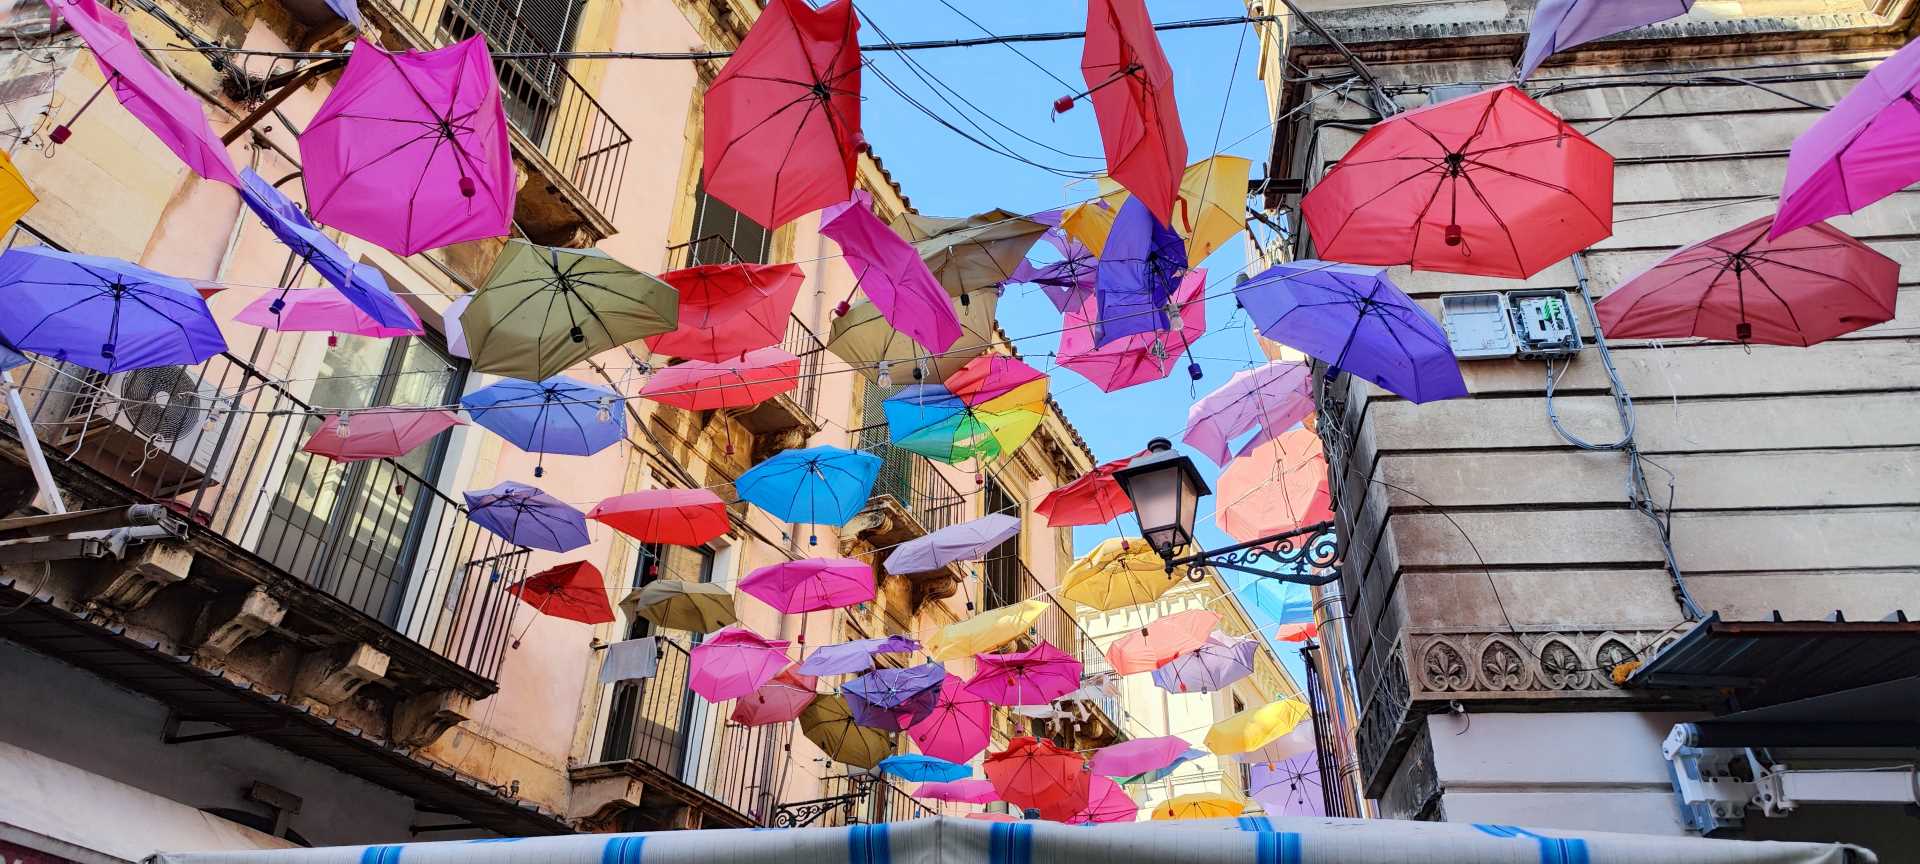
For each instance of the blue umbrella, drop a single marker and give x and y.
(558, 415)
(362, 284)
(1355, 320)
(102, 313)
(822, 485)
(526, 516)
(923, 769)
(1140, 267)
(893, 699)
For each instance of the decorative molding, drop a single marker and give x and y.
(256, 613)
(420, 720)
(327, 678)
(1544, 664)
(1386, 723)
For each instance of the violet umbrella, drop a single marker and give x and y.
(1210, 667)
(780, 700)
(318, 310)
(1140, 269)
(967, 541)
(1355, 320)
(425, 128)
(1138, 756)
(958, 791)
(526, 516)
(378, 433)
(1066, 282)
(1859, 151)
(847, 658)
(960, 725)
(1270, 398)
(1290, 788)
(1562, 24)
(894, 699)
(559, 415)
(102, 313)
(890, 272)
(734, 662)
(1158, 643)
(1035, 676)
(811, 584)
(1139, 357)
(362, 285)
(1106, 802)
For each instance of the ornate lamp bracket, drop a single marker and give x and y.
(799, 814)
(1306, 554)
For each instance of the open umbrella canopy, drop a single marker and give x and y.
(984, 411)
(575, 591)
(867, 340)
(967, 541)
(782, 127)
(1356, 320)
(319, 310)
(1131, 85)
(1267, 399)
(1106, 802)
(1117, 574)
(1159, 774)
(1091, 499)
(102, 313)
(543, 309)
(727, 310)
(1213, 666)
(1251, 729)
(558, 415)
(360, 284)
(734, 662)
(960, 725)
(1299, 632)
(1800, 289)
(958, 791)
(379, 433)
(1280, 486)
(1140, 357)
(811, 584)
(1035, 676)
(150, 95)
(1036, 775)
(856, 656)
(1067, 282)
(1140, 269)
(1489, 184)
(423, 127)
(16, 197)
(986, 631)
(1289, 788)
(526, 516)
(697, 607)
(829, 724)
(450, 326)
(700, 385)
(1163, 639)
(780, 700)
(1211, 208)
(890, 272)
(1293, 744)
(1562, 24)
(1137, 756)
(1199, 805)
(1858, 152)
(922, 769)
(682, 517)
(822, 485)
(895, 699)
(970, 253)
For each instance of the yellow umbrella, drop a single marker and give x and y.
(828, 723)
(985, 631)
(1118, 573)
(1199, 805)
(863, 338)
(1212, 207)
(701, 607)
(15, 196)
(1251, 729)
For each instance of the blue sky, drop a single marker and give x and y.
(944, 174)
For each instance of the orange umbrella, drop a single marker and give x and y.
(1298, 632)
(1036, 775)
(1156, 644)
(1279, 486)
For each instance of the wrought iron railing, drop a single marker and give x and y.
(801, 342)
(913, 481)
(883, 802)
(1337, 789)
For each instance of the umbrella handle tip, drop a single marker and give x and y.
(60, 134)
(1063, 104)
(467, 188)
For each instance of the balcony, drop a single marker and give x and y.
(1006, 581)
(910, 497)
(788, 420)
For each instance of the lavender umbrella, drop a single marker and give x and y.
(1355, 320)
(1067, 282)
(1140, 268)
(1270, 398)
(893, 699)
(1220, 662)
(857, 656)
(967, 541)
(102, 313)
(1562, 24)
(526, 516)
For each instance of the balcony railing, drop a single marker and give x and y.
(913, 482)
(802, 343)
(885, 802)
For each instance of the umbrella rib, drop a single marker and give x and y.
(1706, 292)
(1355, 209)
(1504, 229)
(1784, 307)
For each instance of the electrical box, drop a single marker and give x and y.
(1477, 325)
(1543, 325)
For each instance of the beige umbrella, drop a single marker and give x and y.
(828, 723)
(863, 338)
(1211, 208)
(701, 607)
(985, 631)
(971, 253)
(544, 309)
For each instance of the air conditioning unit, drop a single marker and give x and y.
(146, 428)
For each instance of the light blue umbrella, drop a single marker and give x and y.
(558, 415)
(822, 485)
(526, 516)
(923, 769)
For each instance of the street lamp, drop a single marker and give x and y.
(1166, 490)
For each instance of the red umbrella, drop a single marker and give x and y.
(698, 385)
(959, 727)
(1156, 644)
(783, 117)
(1131, 85)
(1807, 286)
(1035, 775)
(727, 310)
(682, 517)
(1135, 358)
(777, 701)
(1491, 184)
(574, 591)
(378, 433)
(1036, 676)
(1092, 499)
(1297, 632)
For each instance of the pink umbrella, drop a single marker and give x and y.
(1280, 486)
(959, 727)
(1035, 676)
(734, 662)
(150, 95)
(777, 701)
(1860, 151)
(959, 791)
(1137, 357)
(378, 433)
(1158, 643)
(410, 150)
(1138, 756)
(322, 310)
(993, 817)
(812, 584)
(1270, 398)
(1106, 802)
(698, 385)
(891, 273)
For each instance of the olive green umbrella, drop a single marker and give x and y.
(544, 309)
(971, 253)
(828, 723)
(700, 607)
(863, 338)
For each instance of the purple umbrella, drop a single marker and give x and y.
(1220, 662)
(1270, 398)
(102, 313)
(1860, 151)
(1356, 321)
(857, 656)
(967, 541)
(1290, 788)
(893, 699)
(526, 516)
(1067, 282)
(362, 284)
(1562, 24)
(1140, 268)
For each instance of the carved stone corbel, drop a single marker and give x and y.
(326, 678)
(256, 613)
(420, 720)
(146, 570)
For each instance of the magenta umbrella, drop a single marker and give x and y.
(1862, 150)
(378, 433)
(960, 725)
(410, 150)
(777, 701)
(734, 662)
(323, 310)
(1270, 398)
(959, 791)
(1138, 756)
(1135, 358)
(892, 275)
(1035, 676)
(812, 584)
(1106, 802)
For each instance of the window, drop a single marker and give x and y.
(659, 561)
(649, 719)
(1005, 576)
(530, 87)
(722, 235)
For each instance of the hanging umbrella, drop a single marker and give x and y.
(11, 359)
(558, 415)
(894, 699)
(1860, 151)
(1139, 357)
(865, 339)
(986, 631)
(889, 271)
(967, 541)
(1211, 209)
(1090, 499)
(575, 591)
(1163, 639)
(727, 310)
(1799, 289)
(153, 97)
(828, 723)
(681, 517)
(822, 485)
(734, 662)
(16, 197)
(919, 769)
(1137, 756)
(780, 700)
(1490, 184)
(1293, 744)
(1562, 24)
(1272, 397)
(856, 656)
(1213, 666)
(783, 117)
(958, 791)
(1131, 85)
(378, 433)
(1140, 269)
(1279, 487)
(971, 253)
(697, 607)
(526, 516)
(1036, 775)
(1199, 805)
(1106, 802)
(319, 310)
(1067, 282)
(1035, 676)
(423, 127)
(362, 285)
(102, 313)
(811, 584)
(1297, 632)
(543, 309)
(699, 385)
(1117, 574)
(1160, 774)
(450, 327)
(1291, 788)
(984, 411)
(958, 728)
(1355, 320)
(1254, 727)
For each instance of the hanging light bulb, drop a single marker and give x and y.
(344, 427)
(605, 414)
(886, 373)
